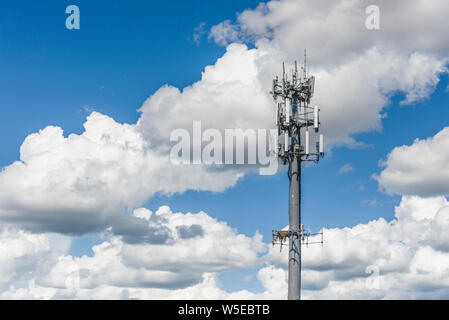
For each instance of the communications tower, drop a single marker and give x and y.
(298, 123)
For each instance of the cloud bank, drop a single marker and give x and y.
(406, 258)
(86, 183)
(95, 182)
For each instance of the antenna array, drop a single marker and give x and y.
(294, 112)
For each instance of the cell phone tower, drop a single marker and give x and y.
(294, 117)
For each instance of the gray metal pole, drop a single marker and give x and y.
(294, 256)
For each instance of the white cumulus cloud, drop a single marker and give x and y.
(199, 248)
(85, 183)
(405, 252)
(418, 169)
(406, 258)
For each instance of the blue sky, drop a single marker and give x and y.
(49, 73)
(124, 52)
